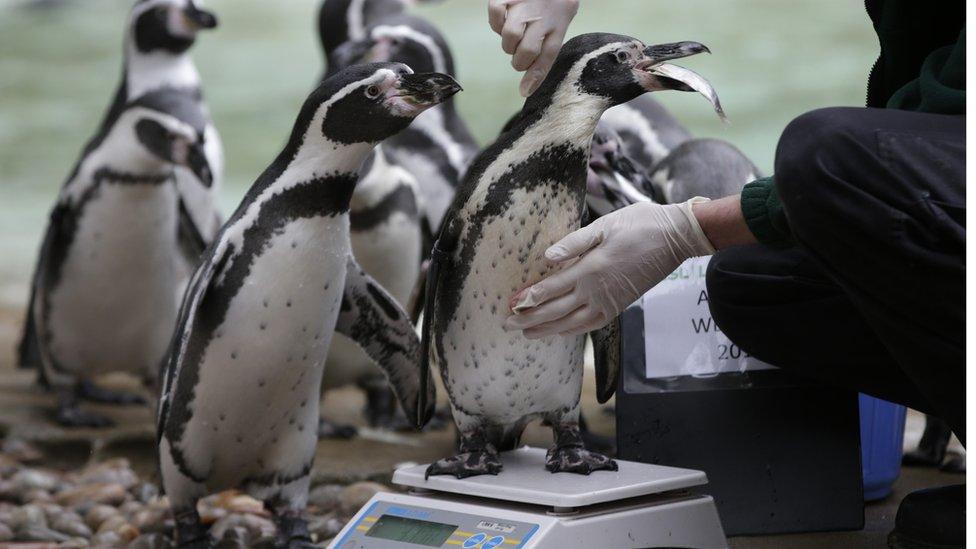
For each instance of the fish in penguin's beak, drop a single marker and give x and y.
(416, 92)
(654, 73)
(197, 18)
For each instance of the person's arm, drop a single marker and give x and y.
(532, 32)
(613, 261)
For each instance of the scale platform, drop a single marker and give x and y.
(525, 506)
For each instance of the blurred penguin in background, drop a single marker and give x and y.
(130, 222)
(389, 229)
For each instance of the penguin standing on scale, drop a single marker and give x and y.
(130, 221)
(239, 406)
(521, 195)
(388, 232)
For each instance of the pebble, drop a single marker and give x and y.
(255, 526)
(37, 496)
(114, 471)
(70, 523)
(151, 541)
(356, 495)
(324, 527)
(21, 450)
(112, 494)
(107, 539)
(326, 496)
(6, 533)
(98, 514)
(217, 506)
(27, 516)
(144, 491)
(112, 524)
(39, 533)
(152, 520)
(26, 480)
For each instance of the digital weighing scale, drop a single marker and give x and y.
(527, 507)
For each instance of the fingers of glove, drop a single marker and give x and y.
(512, 32)
(599, 320)
(529, 47)
(576, 243)
(496, 14)
(578, 319)
(553, 309)
(537, 72)
(551, 287)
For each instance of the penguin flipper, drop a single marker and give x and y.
(212, 264)
(372, 318)
(606, 358)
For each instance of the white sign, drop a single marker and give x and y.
(680, 337)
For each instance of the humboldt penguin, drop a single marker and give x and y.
(648, 132)
(613, 180)
(710, 168)
(521, 195)
(120, 243)
(239, 404)
(344, 20)
(390, 233)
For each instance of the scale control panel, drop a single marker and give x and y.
(386, 524)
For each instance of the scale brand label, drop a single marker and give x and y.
(496, 527)
(680, 336)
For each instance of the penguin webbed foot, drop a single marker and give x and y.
(335, 431)
(569, 455)
(69, 414)
(88, 390)
(469, 462)
(292, 531)
(577, 459)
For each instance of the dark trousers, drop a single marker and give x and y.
(872, 297)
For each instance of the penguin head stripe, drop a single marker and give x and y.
(343, 20)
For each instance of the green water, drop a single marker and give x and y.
(772, 60)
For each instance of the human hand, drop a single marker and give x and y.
(620, 257)
(532, 32)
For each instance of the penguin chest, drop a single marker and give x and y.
(501, 374)
(257, 397)
(115, 303)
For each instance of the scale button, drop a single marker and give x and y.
(474, 540)
(493, 542)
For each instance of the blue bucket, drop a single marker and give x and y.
(882, 435)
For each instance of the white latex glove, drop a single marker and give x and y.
(532, 32)
(621, 255)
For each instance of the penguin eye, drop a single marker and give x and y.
(372, 92)
(623, 56)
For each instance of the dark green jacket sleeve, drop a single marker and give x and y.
(764, 213)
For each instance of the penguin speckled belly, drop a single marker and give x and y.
(520, 196)
(159, 73)
(241, 386)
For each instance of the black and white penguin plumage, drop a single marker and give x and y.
(130, 221)
(521, 195)
(647, 130)
(711, 168)
(389, 231)
(437, 147)
(239, 406)
(613, 180)
(343, 20)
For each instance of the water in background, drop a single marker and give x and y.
(59, 65)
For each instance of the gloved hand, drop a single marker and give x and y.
(532, 32)
(621, 256)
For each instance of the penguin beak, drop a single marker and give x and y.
(654, 73)
(197, 18)
(417, 92)
(196, 160)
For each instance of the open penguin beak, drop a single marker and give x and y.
(417, 92)
(197, 18)
(654, 73)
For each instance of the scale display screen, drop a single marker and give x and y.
(420, 532)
